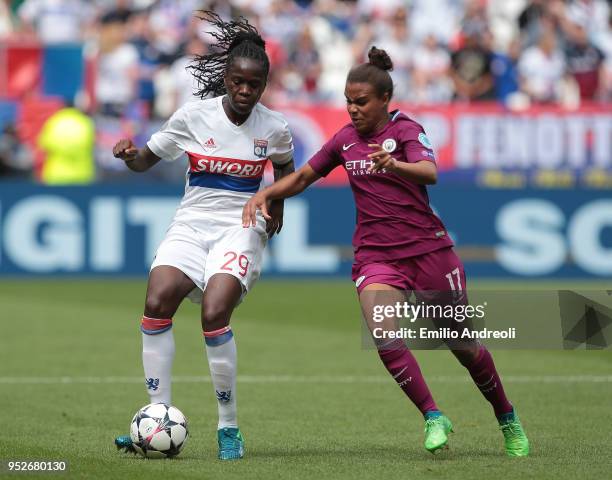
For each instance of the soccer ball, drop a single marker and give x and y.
(159, 431)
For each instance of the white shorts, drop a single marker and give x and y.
(214, 243)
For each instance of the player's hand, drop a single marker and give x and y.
(125, 150)
(249, 212)
(381, 158)
(275, 224)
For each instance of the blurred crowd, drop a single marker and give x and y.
(517, 52)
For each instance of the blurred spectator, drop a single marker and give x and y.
(438, 17)
(376, 8)
(542, 68)
(170, 20)
(585, 63)
(341, 15)
(67, 138)
(334, 47)
(16, 159)
(301, 76)
(475, 18)
(589, 15)
(6, 18)
(471, 69)
(431, 82)
(57, 21)
(392, 34)
(257, 7)
(502, 17)
(184, 84)
(107, 5)
(149, 59)
(530, 21)
(605, 43)
(117, 66)
(281, 22)
(504, 67)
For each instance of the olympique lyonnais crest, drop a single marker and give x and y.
(261, 148)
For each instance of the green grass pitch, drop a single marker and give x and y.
(312, 402)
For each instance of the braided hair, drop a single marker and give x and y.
(235, 39)
(375, 72)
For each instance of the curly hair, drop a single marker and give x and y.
(234, 39)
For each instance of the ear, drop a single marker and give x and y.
(386, 99)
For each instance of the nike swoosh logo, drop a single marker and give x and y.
(346, 147)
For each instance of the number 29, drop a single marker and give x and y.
(242, 260)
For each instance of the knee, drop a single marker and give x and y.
(215, 317)
(467, 356)
(160, 304)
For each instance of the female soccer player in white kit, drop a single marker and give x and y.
(206, 253)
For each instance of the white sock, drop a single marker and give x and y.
(222, 361)
(157, 358)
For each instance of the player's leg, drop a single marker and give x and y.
(394, 354)
(178, 268)
(222, 294)
(481, 368)
(166, 289)
(442, 272)
(232, 268)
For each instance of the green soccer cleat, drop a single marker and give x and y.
(515, 440)
(231, 443)
(436, 433)
(124, 442)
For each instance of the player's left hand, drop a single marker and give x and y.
(249, 212)
(382, 159)
(275, 223)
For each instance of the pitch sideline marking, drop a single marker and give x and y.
(329, 379)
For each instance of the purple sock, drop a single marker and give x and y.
(404, 368)
(487, 380)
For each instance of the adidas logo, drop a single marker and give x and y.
(210, 143)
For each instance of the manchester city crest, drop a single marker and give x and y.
(389, 145)
(261, 148)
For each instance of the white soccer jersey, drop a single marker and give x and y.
(226, 161)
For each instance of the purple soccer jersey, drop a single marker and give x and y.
(394, 219)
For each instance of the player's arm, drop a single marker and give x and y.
(136, 159)
(423, 172)
(286, 187)
(277, 206)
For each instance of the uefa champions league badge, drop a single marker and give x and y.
(261, 148)
(389, 145)
(425, 141)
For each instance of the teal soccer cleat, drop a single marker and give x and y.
(231, 443)
(124, 442)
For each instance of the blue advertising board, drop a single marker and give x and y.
(110, 230)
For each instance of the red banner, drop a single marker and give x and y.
(20, 70)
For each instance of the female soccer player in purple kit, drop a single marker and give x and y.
(400, 244)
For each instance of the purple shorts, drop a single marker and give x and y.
(437, 271)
